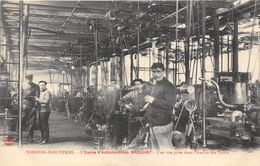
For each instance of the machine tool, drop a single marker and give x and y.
(239, 122)
(185, 116)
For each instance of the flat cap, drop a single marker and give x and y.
(29, 76)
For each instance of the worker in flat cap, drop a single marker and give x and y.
(30, 106)
(29, 76)
(161, 102)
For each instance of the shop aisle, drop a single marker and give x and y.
(63, 133)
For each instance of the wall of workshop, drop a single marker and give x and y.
(13, 69)
(55, 77)
(254, 64)
(108, 71)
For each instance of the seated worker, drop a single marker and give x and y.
(134, 103)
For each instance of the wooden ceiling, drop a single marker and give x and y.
(58, 29)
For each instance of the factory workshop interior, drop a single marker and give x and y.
(130, 74)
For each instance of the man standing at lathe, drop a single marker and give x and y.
(30, 92)
(159, 111)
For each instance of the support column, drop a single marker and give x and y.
(121, 76)
(150, 64)
(26, 22)
(88, 76)
(216, 40)
(1, 39)
(138, 44)
(203, 73)
(80, 64)
(96, 55)
(235, 46)
(21, 69)
(132, 67)
(71, 73)
(187, 46)
(176, 43)
(168, 44)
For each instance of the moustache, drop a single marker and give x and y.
(153, 80)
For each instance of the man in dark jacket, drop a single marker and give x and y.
(30, 92)
(159, 111)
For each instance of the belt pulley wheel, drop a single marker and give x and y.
(190, 105)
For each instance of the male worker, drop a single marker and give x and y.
(134, 103)
(134, 100)
(159, 111)
(44, 112)
(30, 106)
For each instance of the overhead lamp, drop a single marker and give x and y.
(175, 25)
(91, 27)
(163, 35)
(182, 26)
(144, 53)
(207, 17)
(124, 50)
(119, 28)
(117, 40)
(148, 39)
(72, 67)
(63, 72)
(155, 38)
(221, 10)
(221, 28)
(151, 5)
(236, 3)
(146, 42)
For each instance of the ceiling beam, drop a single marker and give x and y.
(57, 15)
(65, 5)
(45, 30)
(46, 48)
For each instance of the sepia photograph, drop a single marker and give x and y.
(129, 82)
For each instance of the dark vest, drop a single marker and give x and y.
(159, 113)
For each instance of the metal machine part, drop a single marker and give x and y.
(8, 108)
(190, 105)
(236, 124)
(187, 89)
(234, 86)
(184, 127)
(220, 98)
(186, 92)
